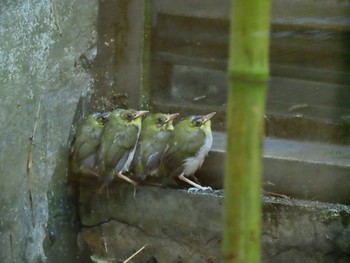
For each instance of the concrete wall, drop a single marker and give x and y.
(41, 80)
(181, 227)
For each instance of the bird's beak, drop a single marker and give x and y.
(208, 117)
(140, 113)
(170, 117)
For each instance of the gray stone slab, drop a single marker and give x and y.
(306, 170)
(178, 226)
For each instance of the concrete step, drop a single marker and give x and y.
(306, 170)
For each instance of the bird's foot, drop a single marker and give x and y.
(85, 169)
(185, 179)
(196, 190)
(276, 195)
(125, 178)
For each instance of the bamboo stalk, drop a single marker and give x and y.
(248, 79)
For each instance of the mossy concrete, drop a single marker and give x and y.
(42, 80)
(178, 226)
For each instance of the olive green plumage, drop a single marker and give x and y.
(118, 143)
(86, 142)
(154, 139)
(190, 143)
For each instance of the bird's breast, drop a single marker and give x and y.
(192, 164)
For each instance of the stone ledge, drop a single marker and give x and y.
(303, 170)
(183, 227)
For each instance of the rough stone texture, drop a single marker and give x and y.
(41, 80)
(182, 227)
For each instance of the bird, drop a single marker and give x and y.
(154, 139)
(189, 144)
(118, 143)
(86, 142)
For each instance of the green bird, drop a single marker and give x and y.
(189, 145)
(154, 139)
(86, 142)
(118, 144)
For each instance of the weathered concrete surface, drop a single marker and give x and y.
(118, 68)
(182, 227)
(41, 80)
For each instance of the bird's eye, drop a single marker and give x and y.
(198, 122)
(160, 120)
(129, 116)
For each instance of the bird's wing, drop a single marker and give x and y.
(106, 142)
(180, 150)
(153, 161)
(86, 142)
(116, 145)
(78, 140)
(152, 152)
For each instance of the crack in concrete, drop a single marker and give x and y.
(120, 222)
(287, 249)
(30, 163)
(181, 243)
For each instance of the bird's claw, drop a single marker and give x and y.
(195, 190)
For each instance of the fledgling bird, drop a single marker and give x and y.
(86, 142)
(154, 139)
(190, 143)
(118, 144)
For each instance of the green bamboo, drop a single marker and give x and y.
(248, 79)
